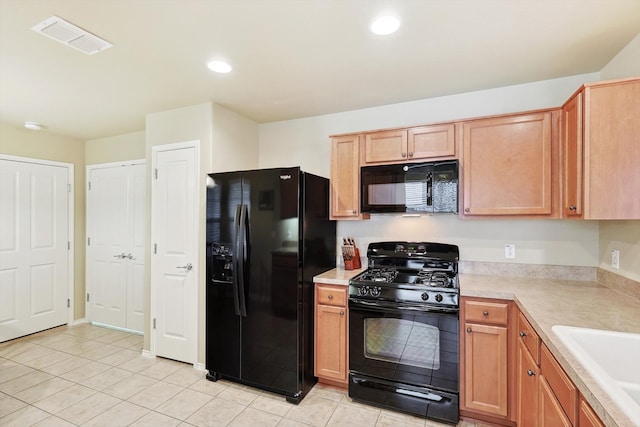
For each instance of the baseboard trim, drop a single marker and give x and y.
(147, 354)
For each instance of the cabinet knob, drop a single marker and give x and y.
(466, 210)
(523, 334)
(404, 155)
(485, 313)
(330, 296)
(530, 372)
(410, 154)
(572, 208)
(342, 313)
(354, 212)
(468, 329)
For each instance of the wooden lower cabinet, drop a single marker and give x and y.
(550, 413)
(485, 351)
(586, 416)
(527, 389)
(546, 396)
(330, 334)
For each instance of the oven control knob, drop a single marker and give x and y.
(438, 297)
(364, 290)
(424, 296)
(375, 291)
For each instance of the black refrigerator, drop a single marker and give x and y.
(268, 234)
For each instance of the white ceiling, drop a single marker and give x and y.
(291, 58)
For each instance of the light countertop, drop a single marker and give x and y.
(548, 302)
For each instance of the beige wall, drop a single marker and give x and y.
(234, 141)
(626, 63)
(46, 146)
(625, 237)
(130, 146)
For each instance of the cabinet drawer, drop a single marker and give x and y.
(486, 312)
(529, 337)
(331, 295)
(560, 384)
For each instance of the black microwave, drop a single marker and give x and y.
(410, 188)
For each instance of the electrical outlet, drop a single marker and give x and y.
(509, 250)
(615, 259)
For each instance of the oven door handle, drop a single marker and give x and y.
(379, 305)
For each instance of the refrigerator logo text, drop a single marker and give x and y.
(285, 176)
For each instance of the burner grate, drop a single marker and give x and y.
(435, 279)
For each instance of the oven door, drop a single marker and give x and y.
(405, 358)
(404, 343)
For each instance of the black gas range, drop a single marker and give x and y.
(403, 329)
(424, 274)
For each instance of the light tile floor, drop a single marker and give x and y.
(87, 375)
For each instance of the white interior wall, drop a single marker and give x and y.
(305, 142)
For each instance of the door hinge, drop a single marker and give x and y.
(88, 241)
(89, 185)
(155, 248)
(154, 323)
(68, 188)
(87, 296)
(155, 173)
(68, 245)
(68, 303)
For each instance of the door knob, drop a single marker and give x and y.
(121, 256)
(130, 256)
(187, 267)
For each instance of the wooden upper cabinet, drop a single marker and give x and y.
(612, 150)
(345, 177)
(431, 141)
(407, 145)
(572, 154)
(385, 146)
(507, 165)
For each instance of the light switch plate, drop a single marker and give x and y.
(615, 259)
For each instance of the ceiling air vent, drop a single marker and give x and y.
(71, 35)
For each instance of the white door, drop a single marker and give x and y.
(115, 245)
(35, 243)
(137, 247)
(174, 261)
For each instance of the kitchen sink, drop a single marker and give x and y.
(613, 360)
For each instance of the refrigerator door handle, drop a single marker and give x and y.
(236, 264)
(242, 257)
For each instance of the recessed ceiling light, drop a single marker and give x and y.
(33, 125)
(219, 67)
(385, 25)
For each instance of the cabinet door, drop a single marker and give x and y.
(485, 361)
(586, 415)
(507, 165)
(612, 151)
(431, 141)
(386, 146)
(527, 373)
(572, 149)
(331, 343)
(551, 413)
(345, 177)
